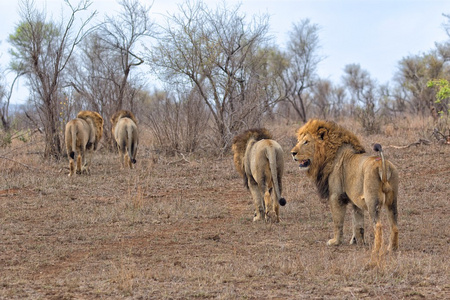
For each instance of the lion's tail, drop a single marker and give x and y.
(384, 178)
(272, 156)
(73, 130)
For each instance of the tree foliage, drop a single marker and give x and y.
(442, 94)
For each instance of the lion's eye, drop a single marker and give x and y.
(305, 142)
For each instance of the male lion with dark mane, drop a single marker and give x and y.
(83, 134)
(125, 132)
(259, 160)
(333, 157)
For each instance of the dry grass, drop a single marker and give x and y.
(172, 229)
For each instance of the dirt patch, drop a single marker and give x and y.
(184, 230)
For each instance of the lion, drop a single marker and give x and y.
(83, 134)
(260, 162)
(125, 132)
(334, 158)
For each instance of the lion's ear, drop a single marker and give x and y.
(322, 132)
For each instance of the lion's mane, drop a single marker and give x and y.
(329, 137)
(122, 114)
(97, 120)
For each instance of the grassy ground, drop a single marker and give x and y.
(176, 228)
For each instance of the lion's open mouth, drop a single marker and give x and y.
(304, 163)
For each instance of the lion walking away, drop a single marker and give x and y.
(82, 135)
(259, 160)
(334, 158)
(125, 132)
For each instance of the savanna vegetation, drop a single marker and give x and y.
(219, 73)
(179, 226)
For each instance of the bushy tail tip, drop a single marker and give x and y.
(377, 148)
(133, 161)
(72, 155)
(282, 201)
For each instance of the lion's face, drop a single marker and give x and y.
(303, 152)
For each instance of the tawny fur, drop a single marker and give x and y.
(83, 135)
(259, 160)
(334, 159)
(125, 132)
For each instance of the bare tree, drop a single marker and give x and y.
(268, 65)
(90, 72)
(322, 95)
(42, 50)
(102, 74)
(338, 102)
(364, 92)
(178, 121)
(328, 100)
(212, 52)
(303, 55)
(121, 35)
(4, 106)
(5, 99)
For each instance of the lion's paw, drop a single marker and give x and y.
(357, 241)
(256, 218)
(392, 248)
(272, 217)
(333, 242)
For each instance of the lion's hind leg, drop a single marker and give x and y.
(127, 161)
(258, 199)
(87, 158)
(373, 205)
(392, 216)
(276, 207)
(71, 166)
(271, 206)
(71, 162)
(267, 202)
(122, 154)
(79, 162)
(358, 226)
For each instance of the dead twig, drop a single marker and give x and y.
(18, 162)
(34, 122)
(419, 142)
(181, 160)
(18, 134)
(441, 138)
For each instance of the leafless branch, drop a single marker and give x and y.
(418, 143)
(18, 162)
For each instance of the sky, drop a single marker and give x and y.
(376, 34)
